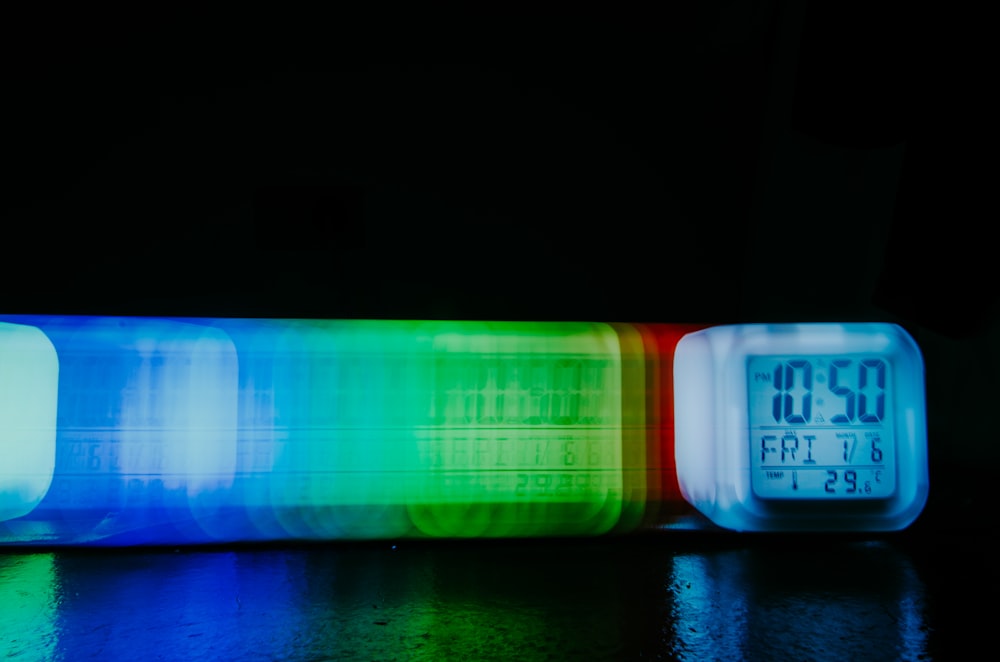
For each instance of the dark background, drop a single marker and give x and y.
(719, 162)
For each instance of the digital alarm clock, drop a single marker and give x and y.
(802, 426)
(136, 431)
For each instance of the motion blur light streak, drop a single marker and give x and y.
(240, 430)
(146, 430)
(187, 431)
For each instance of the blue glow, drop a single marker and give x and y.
(145, 446)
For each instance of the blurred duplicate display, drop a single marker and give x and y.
(123, 431)
(145, 436)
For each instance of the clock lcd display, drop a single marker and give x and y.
(821, 427)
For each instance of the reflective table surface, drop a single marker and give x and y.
(658, 596)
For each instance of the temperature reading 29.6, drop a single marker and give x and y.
(820, 427)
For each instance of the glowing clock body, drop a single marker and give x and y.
(802, 427)
(127, 431)
(28, 381)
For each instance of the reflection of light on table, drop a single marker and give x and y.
(28, 607)
(630, 598)
(708, 610)
(788, 603)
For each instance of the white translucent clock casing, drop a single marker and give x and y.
(29, 374)
(802, 427)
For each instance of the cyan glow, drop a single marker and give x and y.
(339, 463)
(28, 383)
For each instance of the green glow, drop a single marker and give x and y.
(28, 394)
(29, 605)
(523, 433)
(634, 430)
(369, 428)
